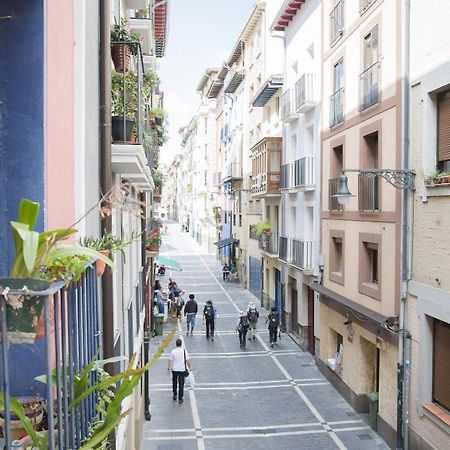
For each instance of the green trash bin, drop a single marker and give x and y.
(159, 322)
(373, 409)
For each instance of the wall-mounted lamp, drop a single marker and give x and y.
(399, 178)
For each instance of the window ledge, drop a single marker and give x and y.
(337, 277)
(438, 415)
(436, 190)
(370, 289)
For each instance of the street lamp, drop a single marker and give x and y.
(399, 178)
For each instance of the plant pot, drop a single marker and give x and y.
(118, 135)
(101, 265)
(121, 56)
(23, 312)
(140, 14)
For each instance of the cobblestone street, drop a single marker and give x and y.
(257, 398)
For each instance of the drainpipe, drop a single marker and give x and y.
(106, 172)
(403, 366)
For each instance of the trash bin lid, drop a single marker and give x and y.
(373, 396)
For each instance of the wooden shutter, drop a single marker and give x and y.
(444, 127)
(441, 363)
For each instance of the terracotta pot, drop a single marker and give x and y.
(101, 265)
(121, 56)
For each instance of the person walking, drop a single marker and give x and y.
(209, 316)
(252, 316)
(179, 363)
(226, 272)
(274, 322)
(242, 328)
(190, 312)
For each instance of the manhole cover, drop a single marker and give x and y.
(364, 437)
(264, 430)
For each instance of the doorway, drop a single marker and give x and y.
(294, 311)
(311, 338)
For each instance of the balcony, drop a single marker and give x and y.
(337, 22)
(266, 157)
(55, 336)
(252, 234)
(157, 194)
(232, 172)
(301, 254)
(143, 27)
(269, 243)
(287, 107)
(304, 93)
(364, 5)
(304, 172)
(337, 107)
(369, 91)
(333, 204)
(285, 176)
(368, 193)
(283, 248)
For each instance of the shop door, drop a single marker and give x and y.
(311, 338)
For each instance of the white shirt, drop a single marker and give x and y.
(177, 358)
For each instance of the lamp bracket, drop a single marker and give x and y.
(399, 178)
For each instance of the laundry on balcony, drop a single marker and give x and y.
(226, 242)
(168, 263)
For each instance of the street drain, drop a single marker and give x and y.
(306, 365)
(364, 437)
(350, 414)
(264, 430)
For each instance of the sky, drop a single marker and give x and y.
(202, 34)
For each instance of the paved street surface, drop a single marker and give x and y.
(259, 398)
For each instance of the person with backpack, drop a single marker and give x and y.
(190, 312)
(209, 315)
(179, 304)
(252, 316)
(242, 328)
(274, 322)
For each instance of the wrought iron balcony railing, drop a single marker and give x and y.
(369, 90)
(333, 204)
(269, 243)
(337, 107)
(287, 106)
(232, 172)
(304, 171)
(364, 4)
(301, 254)
(284, 248)
(304, 92)
(337, 21)
(368, 192)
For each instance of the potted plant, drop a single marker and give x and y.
(159, 115)
(154, 241)
(264, 228)
(437, 177)
(123, 45)
(141, 13)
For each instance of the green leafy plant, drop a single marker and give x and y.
(158, 179)
(108, 404)
(69, 268)
(263, 228)
(216, 213)
(124, 94)
(36, 251)
(437, 177)
(154, 240)
(120, 32)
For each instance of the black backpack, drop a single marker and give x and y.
(209, 311)
(253, 315)
(243, 323)
(274, 319)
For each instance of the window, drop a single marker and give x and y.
(336, 263)
(441, 363)
(337, 164)
(443, 131)
(368, 186)
(337, 21)
(369, 75)
(370, 265)
(337, 98)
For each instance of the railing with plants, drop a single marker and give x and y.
(269, 243)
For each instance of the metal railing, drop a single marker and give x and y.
(58, 336)
(232, 172)
(369, 92)
(333, 204)
(128, 109)
(269, 243)
(364, 4)
(304, 90)
(368, 193)
(301, 254)
(304, 171)
(285, 176)
(337, 21)
(252, 234)
(337, 107)
(283, 248)
(286, 104)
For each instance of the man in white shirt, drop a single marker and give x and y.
(179, 362)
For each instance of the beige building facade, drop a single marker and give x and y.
(360, 242)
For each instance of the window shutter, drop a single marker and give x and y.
(444, 127)
(441, 363)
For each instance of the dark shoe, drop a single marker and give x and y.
(175, 397)
(212, 338)
(271, 344)
(180, 401)
(192, 332)
(254, 337)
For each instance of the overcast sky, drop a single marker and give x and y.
(202, 34)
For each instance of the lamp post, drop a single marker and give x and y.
(399, 178)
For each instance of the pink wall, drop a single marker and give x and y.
(59, 132)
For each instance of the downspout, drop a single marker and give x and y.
(403, 367)
(106, 172)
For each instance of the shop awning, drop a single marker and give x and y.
(225, 242)
(168, 263)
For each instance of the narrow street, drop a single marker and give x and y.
(257, 398)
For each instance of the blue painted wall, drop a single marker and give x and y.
(21, 115)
